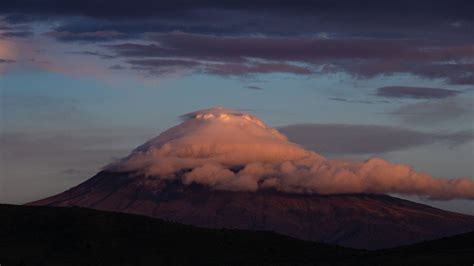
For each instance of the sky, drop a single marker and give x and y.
(83, 83)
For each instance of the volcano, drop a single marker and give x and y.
(222, 168)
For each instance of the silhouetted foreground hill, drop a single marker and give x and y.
(76, 236)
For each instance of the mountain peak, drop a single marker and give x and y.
(223, 114)
(209, 145)
(211, 142)
(224, 168)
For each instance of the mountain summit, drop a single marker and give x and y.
(231, 150)
(225, 168)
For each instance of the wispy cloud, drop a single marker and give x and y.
(253, 87)
(415, 92)
(363, 58)
(436, 112)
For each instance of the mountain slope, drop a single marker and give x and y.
(352, 220)
(77, 236)
(223, 168)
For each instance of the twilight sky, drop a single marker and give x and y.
(83, 83)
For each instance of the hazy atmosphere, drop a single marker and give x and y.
(83, 84)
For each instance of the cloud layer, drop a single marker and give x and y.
(365, 139)
(454, 109)
(244, 55)
(231, 150)
(238, 38)
(415, 92)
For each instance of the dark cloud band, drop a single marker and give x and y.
(365, 139)
(415, 92)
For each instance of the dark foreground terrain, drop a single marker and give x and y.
(76, 236)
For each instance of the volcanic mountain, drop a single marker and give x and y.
(222, 168)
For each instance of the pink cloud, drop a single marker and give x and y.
(231, 150)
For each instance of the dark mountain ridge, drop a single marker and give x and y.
(34, 235)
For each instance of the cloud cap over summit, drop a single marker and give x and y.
(231, 150)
